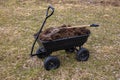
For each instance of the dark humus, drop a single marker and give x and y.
(64, 31)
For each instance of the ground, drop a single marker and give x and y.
(20, 19)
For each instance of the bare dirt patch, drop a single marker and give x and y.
(115, 3)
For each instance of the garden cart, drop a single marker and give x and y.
(71, 44)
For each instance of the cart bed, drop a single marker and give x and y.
(64, 43)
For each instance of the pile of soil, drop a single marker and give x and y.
(64, 31)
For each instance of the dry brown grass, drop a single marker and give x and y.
(20, 19)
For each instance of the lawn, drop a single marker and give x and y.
(20, 19)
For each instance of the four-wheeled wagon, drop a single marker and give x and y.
(71, 44)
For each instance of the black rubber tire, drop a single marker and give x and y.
(42, 54)
(51, 62)
(82, 54)
(70, 50)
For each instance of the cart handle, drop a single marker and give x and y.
(40, 30)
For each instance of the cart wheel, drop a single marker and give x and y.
(70, 50)
(51, 62)
(82, 55)
(41, 54)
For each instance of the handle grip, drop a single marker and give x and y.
(47, 13)
(94, 25)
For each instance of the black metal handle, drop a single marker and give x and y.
(40, 30)
(94, 25)
(47, 13)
